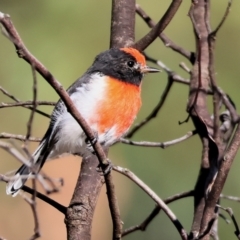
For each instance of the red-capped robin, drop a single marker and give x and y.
(107, 96)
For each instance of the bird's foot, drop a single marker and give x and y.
(91, 143)
(105, 168)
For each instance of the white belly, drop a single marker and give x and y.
(70, 137)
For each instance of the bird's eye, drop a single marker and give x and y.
(130, 63)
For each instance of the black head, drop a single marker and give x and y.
(125, 64)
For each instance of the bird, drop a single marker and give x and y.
(108, 96)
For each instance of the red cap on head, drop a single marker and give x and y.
(136, 54)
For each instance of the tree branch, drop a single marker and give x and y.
(225, 165)
(39, 195)
(143, 226)
(144, 42)
(159, 144)
(27, 103)
(122, 23)
(167, 41)
(18, 137)
(154, 196)
(230, 212)
(5, 92)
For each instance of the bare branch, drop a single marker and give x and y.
(18, 137)
(46, 199)
(159, 144)
(143, 226)
(184, 67)
(223, 18)
(122, 23)
(14, 152)
(167, 41)
(5, 92)
(154, 196)
(79, 213)
(50, 185)
(30, 121)
(224, 218)
(27, 103)
(232, 198)
(211, 42)
(144, 42)
(224, 168)
(175, 77)
(216, 99)
(39, 195)
(32, 203)
(230, 212)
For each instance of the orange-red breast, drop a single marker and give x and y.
(107, 96)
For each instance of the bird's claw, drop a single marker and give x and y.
(107, 168)
(91, 143)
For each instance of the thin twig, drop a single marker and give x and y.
(155, 197)
(159, 144)
(224, 17)
(5, 92)
(230, 212)
(175, 77)
(4, 135)
(14, 152)
(34, 210)
(46, 199)
(30, 121)
(143, 226)
(6, 178)
(39, 195)
(49, 184)
(232, 198)
(33, 203)
(224, 168)
(224, 218)
(211, 42)
(167, 41)
(184, 66)
(145, 41)
(27, 103)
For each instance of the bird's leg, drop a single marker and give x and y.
(104, 168)
(92, 142)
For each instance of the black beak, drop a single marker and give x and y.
(147, 69)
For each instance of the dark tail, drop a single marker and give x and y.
(24, 172)
(20, 177)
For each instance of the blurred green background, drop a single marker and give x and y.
(66, 36)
